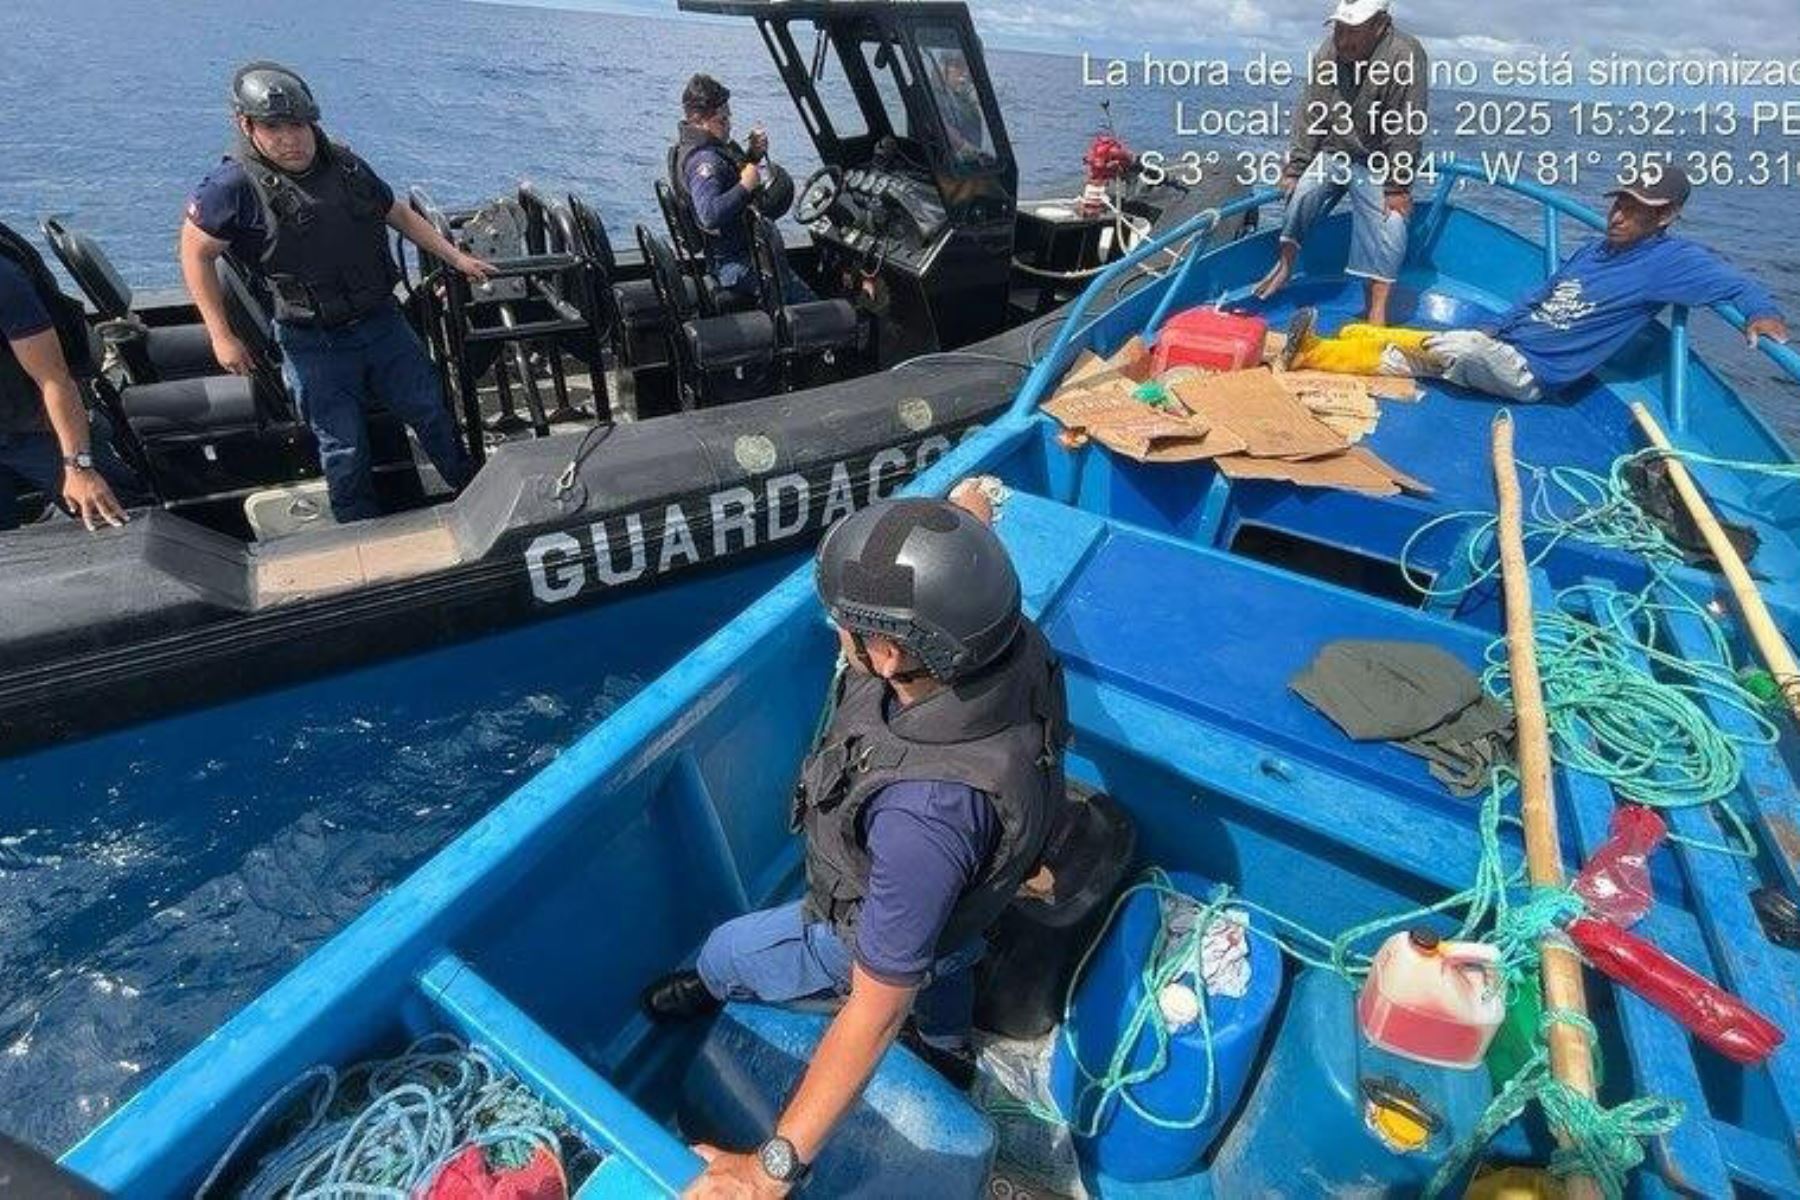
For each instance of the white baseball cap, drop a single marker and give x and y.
(1357, 12)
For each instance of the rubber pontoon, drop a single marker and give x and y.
(956, 286)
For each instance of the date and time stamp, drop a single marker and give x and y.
(1566, 141)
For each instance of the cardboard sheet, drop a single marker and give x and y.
(1296, 428)
(1346, 407)
(1271, 423)
(1130, 361)
(1384, 387)
(1109, 414)
(1355, 470)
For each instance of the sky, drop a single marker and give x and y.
(1638, 28)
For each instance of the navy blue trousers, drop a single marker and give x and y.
(777, 956)
(334, 373)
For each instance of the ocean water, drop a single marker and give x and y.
(152, 881)
(155, 879)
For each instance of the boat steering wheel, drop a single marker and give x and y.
(818, 194)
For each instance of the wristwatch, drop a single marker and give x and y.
(780, 1161)
(81, 460)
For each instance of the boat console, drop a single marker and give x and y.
(912, 215)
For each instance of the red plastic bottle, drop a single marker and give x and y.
(1715, 1016)
(1615, 883)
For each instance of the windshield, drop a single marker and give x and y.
(835, 94)
(886, 66)
(958, 99)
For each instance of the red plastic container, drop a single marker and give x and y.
(1210, 338)
(1433, 1001)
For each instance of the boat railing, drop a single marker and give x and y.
(1049, 368)
(1555, 205)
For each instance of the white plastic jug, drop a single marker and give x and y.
(1433, 1001)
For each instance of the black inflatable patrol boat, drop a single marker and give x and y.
(631, 426)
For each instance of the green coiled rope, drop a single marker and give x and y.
(1622, 705)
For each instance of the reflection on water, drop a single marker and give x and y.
(154, 880)
(152, 893)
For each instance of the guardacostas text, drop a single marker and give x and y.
(626, 548)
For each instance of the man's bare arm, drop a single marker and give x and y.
(846, 1058)
(841, 1066)
(85, 492)
(421, 233)
(200, 253)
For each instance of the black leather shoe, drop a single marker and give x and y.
(680, 996)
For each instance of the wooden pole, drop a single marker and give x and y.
(1774, 648)
(1571, 1058)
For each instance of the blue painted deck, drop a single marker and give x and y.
(533, 931)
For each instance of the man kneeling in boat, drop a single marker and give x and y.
(1600, 299)
(312, 218)
(925, 803)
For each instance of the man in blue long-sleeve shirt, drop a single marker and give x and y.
(1571, 325)
(718, 181)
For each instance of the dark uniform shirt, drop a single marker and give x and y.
(927, 842)
(719, 200)
(226, 206)
(22, 315)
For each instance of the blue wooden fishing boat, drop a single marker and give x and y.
(1182, 603)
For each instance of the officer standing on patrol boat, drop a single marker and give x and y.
(311, 218)
(719, 181)
(926, 802)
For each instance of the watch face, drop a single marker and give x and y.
(779, 1160)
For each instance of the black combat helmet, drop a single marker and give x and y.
(927, 575)
(704, 96)
(268, 91)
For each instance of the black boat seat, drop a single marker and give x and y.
(638, 304)
(721, 300)
(684, 231)
(179, 351)
(810, 327)
(817, 325)
(690, 251)
(209, 406)
(89, 267)
(705, 347)
(150, 354)
(731, 340)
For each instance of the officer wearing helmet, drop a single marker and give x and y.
(720, 183)
(925, 803)
(312, 219)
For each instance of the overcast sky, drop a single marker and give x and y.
(1757, 28)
